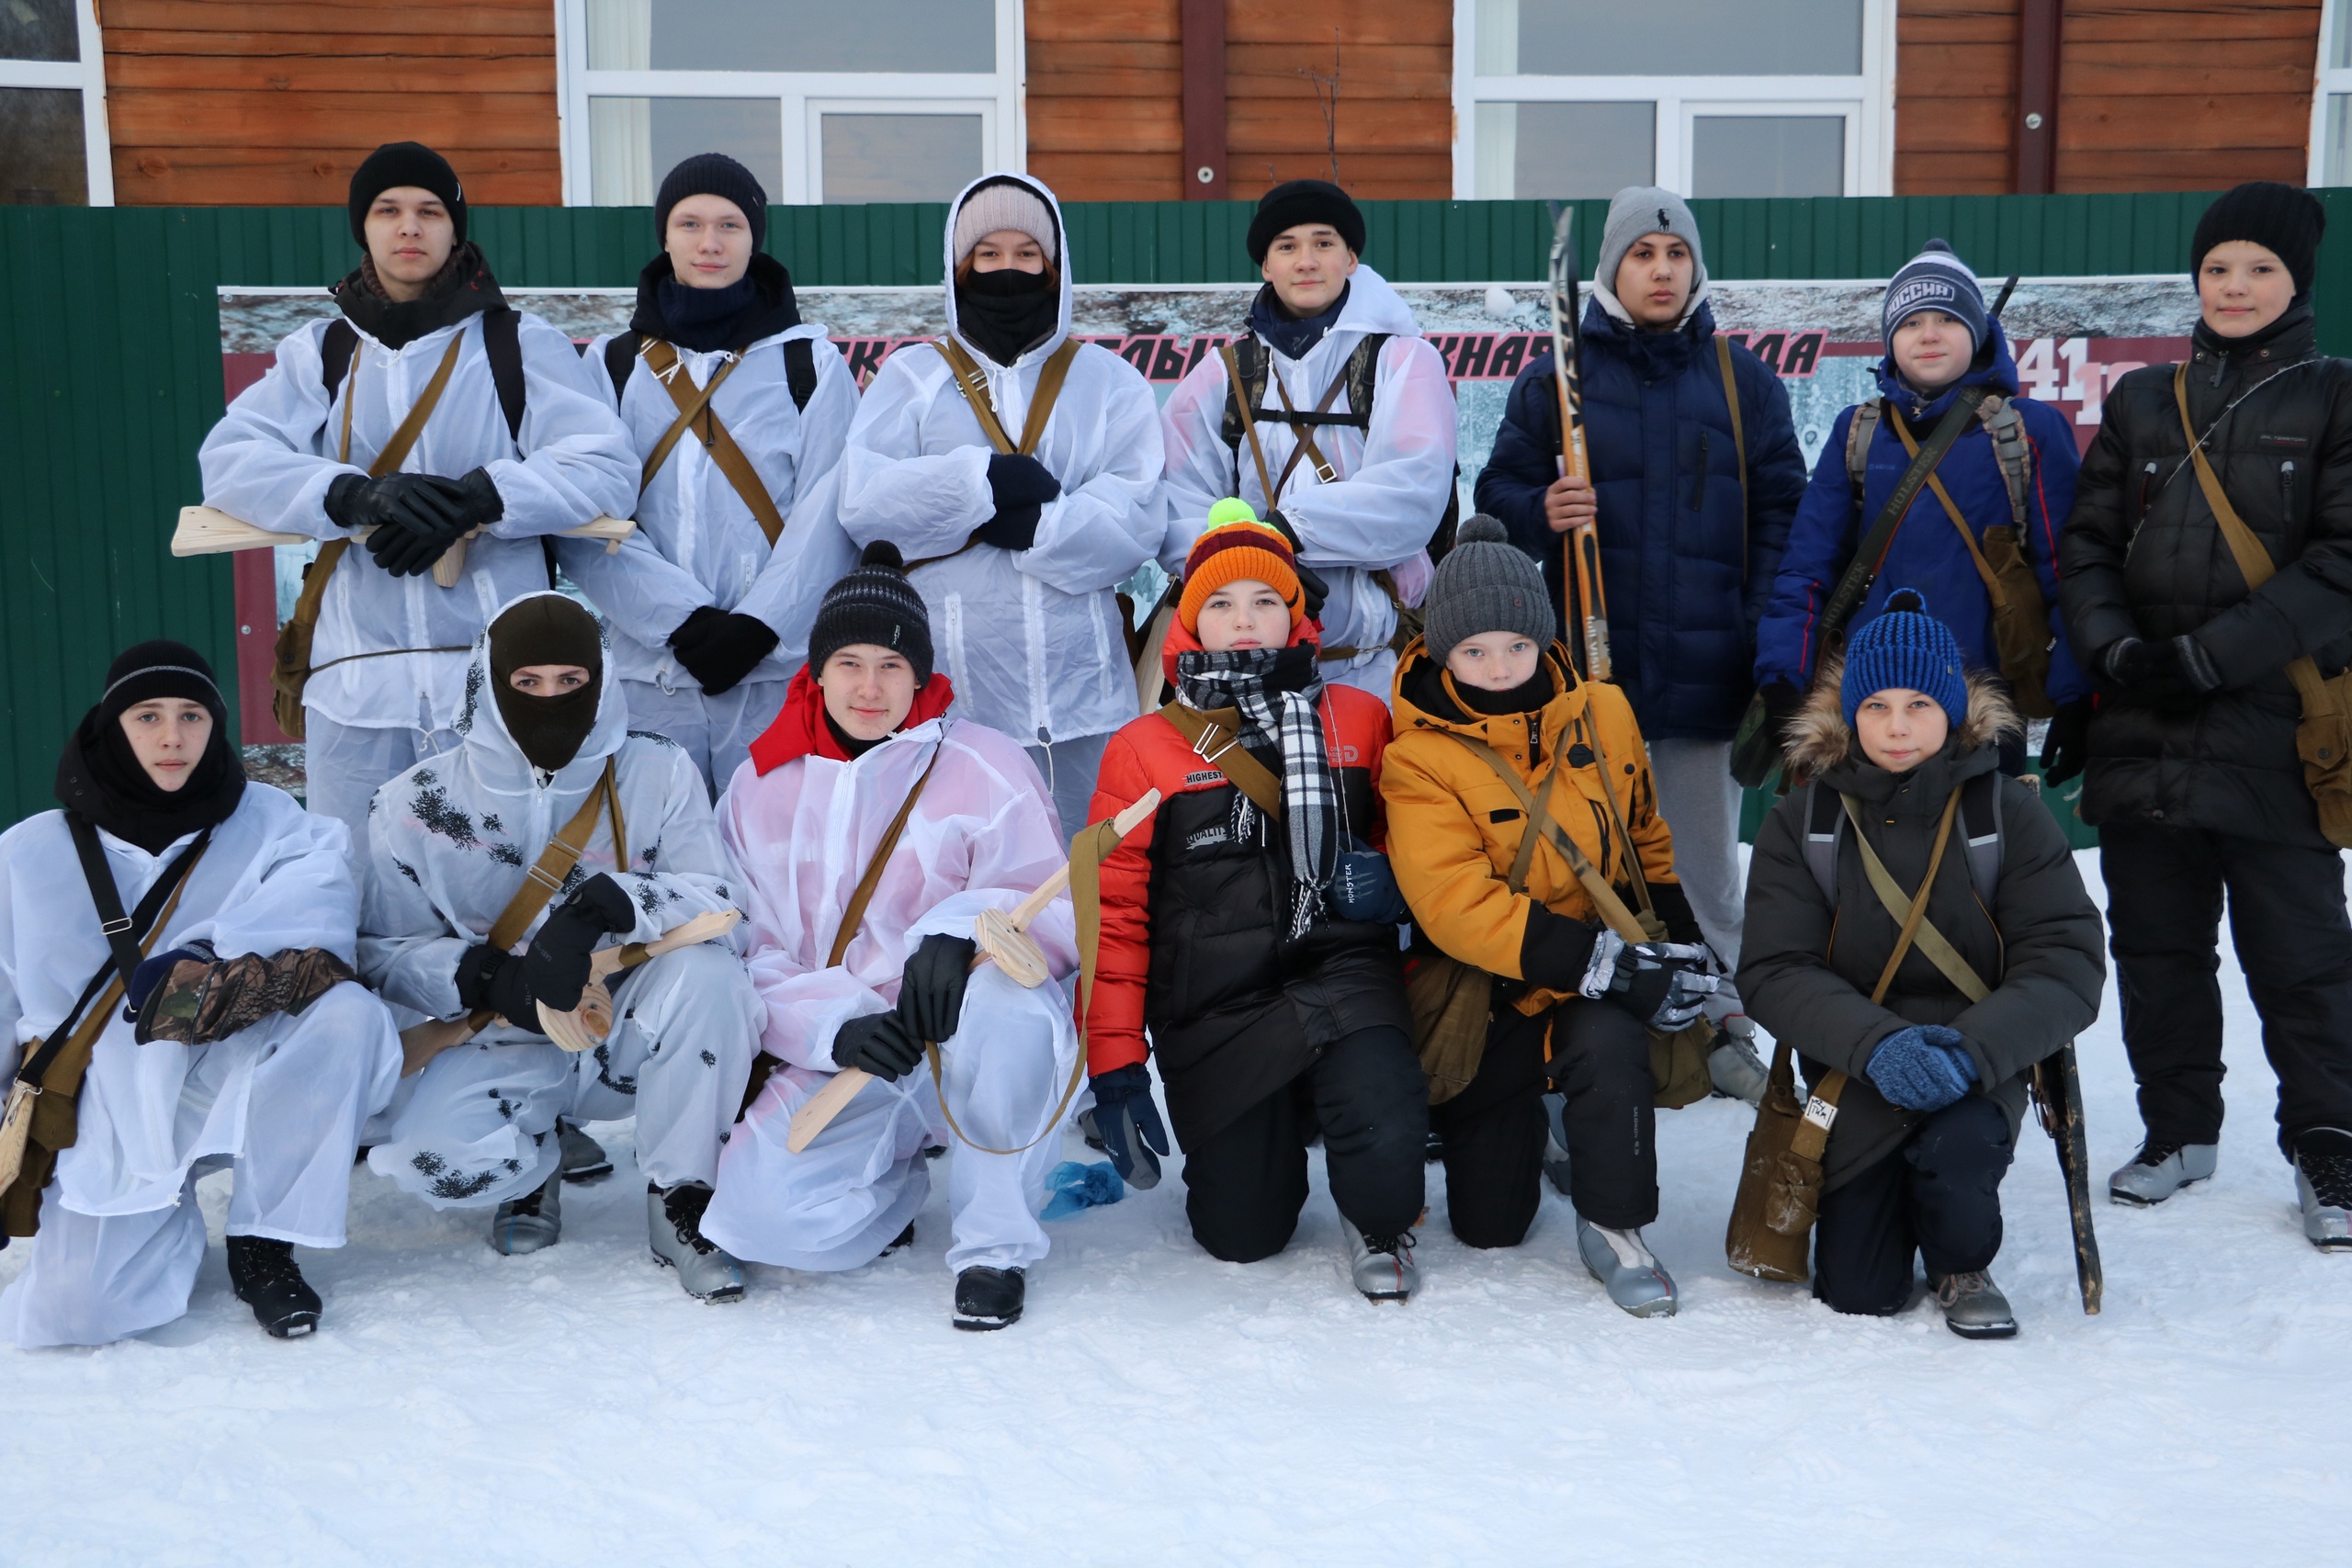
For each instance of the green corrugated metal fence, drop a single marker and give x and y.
(110, 369)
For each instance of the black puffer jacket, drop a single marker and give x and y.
(2143, 556)
(1808, 963)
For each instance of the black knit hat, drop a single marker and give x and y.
(712, 174)
(2286, 220)
(405, 163)
(875, 604)
(1294, 202)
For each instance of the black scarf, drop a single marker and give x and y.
(1293, 336)
(462, 287)
(100, 776)
(758, 305)
(1530, 695)
(1006, 313)
(547, 628)
(1278, 691)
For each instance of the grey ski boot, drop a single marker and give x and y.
(1973, 1306)
(583, 1157)
(2159, 1171)
(674, 1226)
(1734, 1067)
(531, 1222)
(1381, 1266)
(1626, 1269)
(2324, 1183)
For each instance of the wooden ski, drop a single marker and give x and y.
(2058, 1094)
(1586, 601)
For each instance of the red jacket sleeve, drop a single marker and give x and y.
(1112, 1028)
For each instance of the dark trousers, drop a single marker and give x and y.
(1246, 1185)
(1494, 1129)
(2165, 889)
(1938, 1197)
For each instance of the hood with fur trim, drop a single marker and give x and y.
(1818, 738)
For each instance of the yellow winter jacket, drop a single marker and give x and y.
(1455, 828)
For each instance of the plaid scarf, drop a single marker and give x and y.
(1278, 691)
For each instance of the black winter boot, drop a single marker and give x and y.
(989, 1298)
(263, 1275)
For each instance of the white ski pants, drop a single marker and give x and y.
(478, 1126)
(841, 1200)
(345, 765)
(318, 1077)
(717, 732)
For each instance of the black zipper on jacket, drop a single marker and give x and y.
(1699, 485)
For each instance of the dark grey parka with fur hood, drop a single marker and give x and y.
(1807, 966)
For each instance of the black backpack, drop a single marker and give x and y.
(800, 365)
(501, 338)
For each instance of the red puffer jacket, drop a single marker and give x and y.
(1194, 922)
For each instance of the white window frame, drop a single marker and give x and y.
(88, 76)
(999, 97)
(1865, 101)
(2324, 83)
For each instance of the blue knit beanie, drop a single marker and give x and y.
(1908, 647)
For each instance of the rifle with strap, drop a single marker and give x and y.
(974, 385)
(39, 1118)
(730, 457)
(290, 668)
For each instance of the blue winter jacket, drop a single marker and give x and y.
(1686, 580)
(1926, 554)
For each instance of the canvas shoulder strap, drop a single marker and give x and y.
(974, 385)
(1216, 738)
(1738, 438)
(730, 455)
(1303, 425)
(1911, 912)
(1992, 580)
(853, 912)
(1614, 910)
(1242, 395)
(1862, 570)
(546, 877)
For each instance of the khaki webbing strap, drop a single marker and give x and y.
(545, 879)
(1913, 912)
(1539, 818)
(1639, 874)
(853, 912)
(1232, 758)
(725, 451)
(1738, 441)
(2254, 562)
(1613, 911)
(1812, 1135)
(1992, 588)
(1248, 420)
(1324, 473)
(395, 453)
(975, 388)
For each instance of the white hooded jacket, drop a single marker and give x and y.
(1032, 638)
(696, 543)
(450, 841)
(272, 457)
(1393, 479)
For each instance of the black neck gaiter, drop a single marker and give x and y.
(1006, 313)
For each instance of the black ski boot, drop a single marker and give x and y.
(899, 1242)
(989, 1298)
(263, 1275)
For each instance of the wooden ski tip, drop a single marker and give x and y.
(823, 1105)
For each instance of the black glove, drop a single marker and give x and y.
(879, 1042)
(2159, 670)
(1782, 702)
(478, 494)
(931, 991)
(557, 961)
(416, 517)
(1020, 486)
(153, 969)
(720, 651)
(1311, 586)
(2066, 747)
(1132, 1132)
(489, 977)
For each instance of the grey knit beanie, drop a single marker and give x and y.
(1486, 583)
(1648, 210)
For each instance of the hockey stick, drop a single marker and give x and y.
(1002, 937)
(1585, 601)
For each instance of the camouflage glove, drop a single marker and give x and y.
(199, 1003)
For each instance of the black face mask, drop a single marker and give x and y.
(759, 304)
(546, 630)
(100, 776)
(1528, 696)
(1006, 313)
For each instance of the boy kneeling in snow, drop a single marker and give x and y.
(873, 830)
(1489, 689)
(252, 1048)
(549, 793)
(1897, 746)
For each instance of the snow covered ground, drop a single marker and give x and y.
(1156, 1407)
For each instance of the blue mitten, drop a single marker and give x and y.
(1128, 1122)
(1077, 1186)
(1922, 1067)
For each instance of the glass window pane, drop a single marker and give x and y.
(41, 152)
(39, 29)
(791, 34)
(2339, 52)
(2335, 157)
(1768, 155)
(632, 142)
(1681, 38)
(899, 157)
(1565, 151)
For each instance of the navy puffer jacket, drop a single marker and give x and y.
(1686, 580)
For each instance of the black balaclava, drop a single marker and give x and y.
(100, 776)
(547, 628)
(1008, 312)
